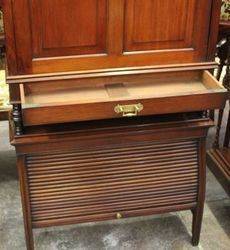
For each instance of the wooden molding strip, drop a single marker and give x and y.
(35, 78)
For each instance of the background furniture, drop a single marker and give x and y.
(218, 158)
(223, 50)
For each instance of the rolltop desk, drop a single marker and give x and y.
(110, 101)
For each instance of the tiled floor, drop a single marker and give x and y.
(169, 231)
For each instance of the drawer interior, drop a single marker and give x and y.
(158, 85)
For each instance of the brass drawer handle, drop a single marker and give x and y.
(129, 110)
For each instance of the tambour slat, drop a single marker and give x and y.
(37, 184)
(55, 156)
(113, 167)
(119, 204)
(124, 189)
(108, 155)
(107, 175)
(153, 192)
(128, 158)
(93, 166)
(113, 208)
(119, 187)
(142, 182)
(103, 198)
(164, 179)
(80, 183)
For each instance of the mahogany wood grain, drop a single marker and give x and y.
(80, 29)
(105, 33)
(99, 103)
(9, 37)
(145, 19)
(25, 202)
(107, 74)
(198, 211)
(92, 170)
(142, 169)
(214, 28)
(76, 132)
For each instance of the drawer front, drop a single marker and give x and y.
(112, 182)
(100, 111)
(167, 93)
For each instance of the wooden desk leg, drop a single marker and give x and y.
(25, 203)
(196, 224)
(198, 211)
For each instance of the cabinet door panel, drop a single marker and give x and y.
(153, 24)
(72, 27)
(78, 35)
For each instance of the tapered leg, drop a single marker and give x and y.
(25, 203)
(198, 211)
(196, 224)
(28, 235)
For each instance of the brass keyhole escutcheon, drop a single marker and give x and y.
(119, 215)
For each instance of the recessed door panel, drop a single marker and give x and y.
(153, 24)
(72, 27)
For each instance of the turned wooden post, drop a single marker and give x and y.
(17, 118)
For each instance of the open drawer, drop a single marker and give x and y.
(156, 94)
